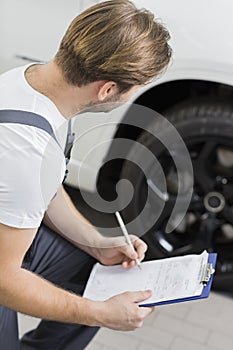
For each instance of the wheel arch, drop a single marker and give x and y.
(166, 95)
(161, 98)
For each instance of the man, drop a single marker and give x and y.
(107, 53)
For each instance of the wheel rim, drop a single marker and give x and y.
(208, 223)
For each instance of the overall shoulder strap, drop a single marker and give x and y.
(69, 142)
(26, 118)
(36, 120)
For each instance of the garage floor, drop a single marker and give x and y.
(198, 325)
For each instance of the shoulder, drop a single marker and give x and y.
(32, 170)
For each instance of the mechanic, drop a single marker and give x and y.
(47, 248)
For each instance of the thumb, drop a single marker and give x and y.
(141, 295)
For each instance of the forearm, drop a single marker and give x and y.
(64, 218)
(23, 291)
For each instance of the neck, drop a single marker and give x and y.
(48, 80)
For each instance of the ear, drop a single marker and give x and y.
(107, 89)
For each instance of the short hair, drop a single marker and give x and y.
(114, 40)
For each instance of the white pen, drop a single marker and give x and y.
(125, 232)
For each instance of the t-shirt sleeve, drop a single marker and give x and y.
(31, 173)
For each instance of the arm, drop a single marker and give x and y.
(64, 218)
(23, 291)
(18, 286)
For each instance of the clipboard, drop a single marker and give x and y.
(183, 278)
(207, 280)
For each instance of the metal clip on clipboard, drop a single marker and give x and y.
(208, 270)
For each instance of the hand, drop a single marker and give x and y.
(117, 251)
(122, 313)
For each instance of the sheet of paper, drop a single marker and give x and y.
(169, 279)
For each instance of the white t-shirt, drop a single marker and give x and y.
(32, 163)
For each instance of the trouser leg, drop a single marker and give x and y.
(8, 329)
(60, 262)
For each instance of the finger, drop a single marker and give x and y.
(128, 263)
(140, 247)
(124, 264)
(146, 311)
(128, 252)
(138, 296)
(132, 263)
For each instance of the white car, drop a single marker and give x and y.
(195, 95)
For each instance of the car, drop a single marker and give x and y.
(193, 98)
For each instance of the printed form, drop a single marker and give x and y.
(169, 279)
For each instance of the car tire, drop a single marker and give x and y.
(206, 127)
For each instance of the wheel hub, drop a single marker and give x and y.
(214, 202)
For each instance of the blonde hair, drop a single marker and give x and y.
(114, 40)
